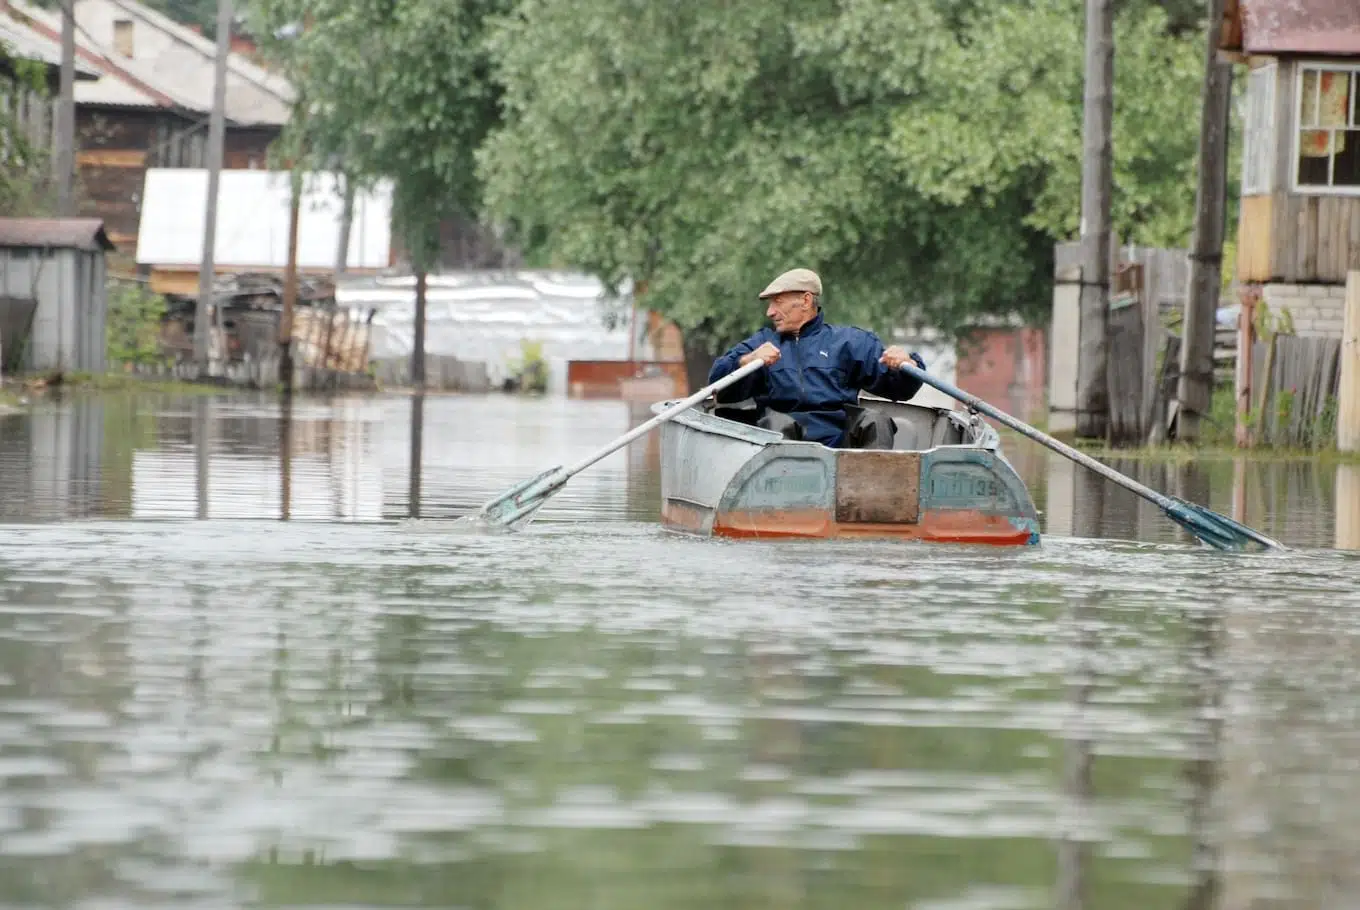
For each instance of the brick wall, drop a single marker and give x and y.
(1317, 309)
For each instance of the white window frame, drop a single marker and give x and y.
(1319, 66)
(1259, 131)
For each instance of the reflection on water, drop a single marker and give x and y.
(359, 709)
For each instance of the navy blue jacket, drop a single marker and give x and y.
(821, 369)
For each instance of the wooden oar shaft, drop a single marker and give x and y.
(1044, 439)
(643, 428)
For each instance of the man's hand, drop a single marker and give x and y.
(766, 352)
(895, 356)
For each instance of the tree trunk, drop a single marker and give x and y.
(346, 223)
(1093, 395)
(700, 352)
(1196, 386)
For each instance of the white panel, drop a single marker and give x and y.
(1065, 343)
(252, 221)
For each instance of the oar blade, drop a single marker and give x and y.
(1219, 531)
(516, 507)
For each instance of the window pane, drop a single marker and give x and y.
(1308, 99)
(1347, 167)
(1335, 98)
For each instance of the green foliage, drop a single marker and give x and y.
(531, 373)
(393, 91)
(1266, 324)
(922, 154)
(134, 324)
(1004, 108)
(202, 13)
(25, 185)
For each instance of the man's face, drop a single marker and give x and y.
(790, 310)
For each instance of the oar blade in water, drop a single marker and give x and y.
(1217, 530)
(517, 506)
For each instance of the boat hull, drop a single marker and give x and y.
(727, 479)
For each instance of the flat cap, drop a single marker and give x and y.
(794, 280)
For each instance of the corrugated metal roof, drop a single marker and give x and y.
(72, 233)
(27, 44)
(1293, 27)
(270, 82)
(178, 62)
(116, 85)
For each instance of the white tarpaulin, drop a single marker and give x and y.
(252, 221)
(487, 317)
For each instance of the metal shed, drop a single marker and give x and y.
(53, 300)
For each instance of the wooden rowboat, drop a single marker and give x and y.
(945, 480)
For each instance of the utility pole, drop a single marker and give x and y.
(1097, 169)
(66, 114)
(290, 285)
(216, 139)
(418, 349)
(1196, 384)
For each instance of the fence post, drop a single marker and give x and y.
(1246, 348)
(1348, 399)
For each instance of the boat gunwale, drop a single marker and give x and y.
(705, 422)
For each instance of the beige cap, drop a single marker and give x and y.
(794, 280)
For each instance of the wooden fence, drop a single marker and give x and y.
(1295, 383)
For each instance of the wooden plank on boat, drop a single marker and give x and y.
(877, 486)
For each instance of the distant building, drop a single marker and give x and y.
(52, 294)
(252, 226)
(1299, 227)
(150, 102)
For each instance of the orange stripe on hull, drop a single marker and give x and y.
(954, 526)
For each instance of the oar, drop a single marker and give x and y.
(516, 507)
(1214, 529)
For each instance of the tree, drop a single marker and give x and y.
(921, 154)
(397, 92)
(25, 177)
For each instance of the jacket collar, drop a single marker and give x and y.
(811, 327)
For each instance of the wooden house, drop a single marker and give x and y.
(150, 104)
(1299, 224)
(29, 109)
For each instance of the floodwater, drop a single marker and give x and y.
(368, 705)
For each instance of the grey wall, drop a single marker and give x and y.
(68, 330)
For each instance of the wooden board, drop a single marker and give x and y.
(1124, 374)
(1326, 212)
(1254, 262)
(1313, 239)
(1283, 237)
(878, 486)
(1307, 253)
(1348, 393)
(111, 158)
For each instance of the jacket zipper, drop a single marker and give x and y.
(798, 359)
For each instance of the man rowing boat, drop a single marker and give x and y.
(815, 371)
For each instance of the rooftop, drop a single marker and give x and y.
(1292, 27)
(67, 233)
